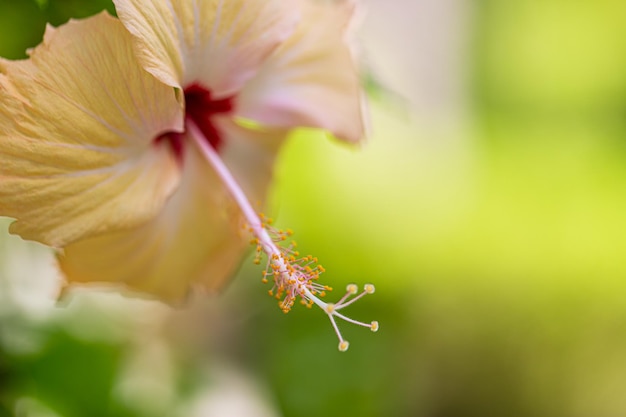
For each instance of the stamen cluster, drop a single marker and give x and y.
(294, 276)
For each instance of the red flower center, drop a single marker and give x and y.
(200, 107)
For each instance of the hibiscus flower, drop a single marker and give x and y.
(135, 144)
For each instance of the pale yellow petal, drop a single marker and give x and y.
(218, 43)
(197, 240)
(77, 125)
(312, 79)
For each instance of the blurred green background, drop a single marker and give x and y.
(488, 207)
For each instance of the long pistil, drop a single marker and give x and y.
(293, 277)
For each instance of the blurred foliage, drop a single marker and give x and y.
(23, 21)
(496, 248)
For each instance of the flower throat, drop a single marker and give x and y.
(200, 107)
